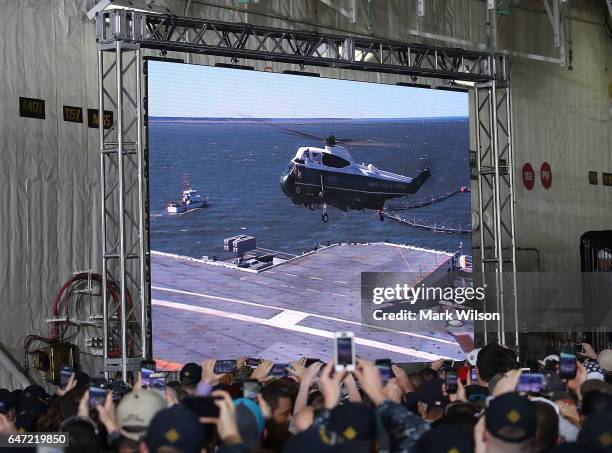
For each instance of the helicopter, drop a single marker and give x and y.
(320, 177)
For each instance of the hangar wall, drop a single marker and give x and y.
(50, 216)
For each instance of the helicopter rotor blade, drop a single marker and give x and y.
(301, 134)
(365, 142)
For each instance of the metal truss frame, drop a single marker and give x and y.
(494, 162)
(122, 35)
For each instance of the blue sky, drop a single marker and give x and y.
(203, 91)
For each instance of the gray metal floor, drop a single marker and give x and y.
(207, 310)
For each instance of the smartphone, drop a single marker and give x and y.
(203, 406)
(530, 383)
(474, 375)
(451, 381)
(157, 382)
(252, 362)
(97, 396)
(225, 366)
(578, 348)
(250, 389)
(279, 369)
(448, 364)
(145, 377)
(384, 366)
(344, 351)
(65, 374)
(567, 363)
(525, 370)
(310, 361)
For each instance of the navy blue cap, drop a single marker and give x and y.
(511, 418)
(354, 422)
(7, 400)
(596, 431)
(430, 393)
(33, 401)
(176, 427)
(445, 439)
(191, 374)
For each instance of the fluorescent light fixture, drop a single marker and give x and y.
(147, 6)
(464, 83)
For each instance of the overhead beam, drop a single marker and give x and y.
(238, 40)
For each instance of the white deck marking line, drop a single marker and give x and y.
(316, 278)
(313, 290)
(287, 318)
(340, 281)
(291, 275)
(341, 295)
(273, 322)
(330, 318)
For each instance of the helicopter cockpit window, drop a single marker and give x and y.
(331, 160)
(315, 157)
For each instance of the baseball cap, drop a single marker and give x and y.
(605, 360)
(136, 410)
(511, 418)
(472, 356)
(353, 421)
(176, 427)
(596, 431)
(594, 371)
(250, 421)
(7, 401)
(33, 401)
(445, 439)
(191, 374)
(431, 394)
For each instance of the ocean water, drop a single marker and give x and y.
(239, 164)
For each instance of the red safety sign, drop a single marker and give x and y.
(528, 176)
(546, 175)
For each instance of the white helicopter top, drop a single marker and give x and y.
(339, 160)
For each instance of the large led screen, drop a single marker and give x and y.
(272, 195)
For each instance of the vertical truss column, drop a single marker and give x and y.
(124, 267)
(496, 207)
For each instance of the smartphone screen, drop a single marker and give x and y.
(225, 366)
(474, 375)
(252, 362)
(567, 364)
(448, 364)
(310, 361)
(145, 377)
(203, 406)
(97, 396)
(65, 374)
(157, 382)
(250, 389)
(530, 383)
(345, 357)
(451, 381)
(279, 369)
(384, 366)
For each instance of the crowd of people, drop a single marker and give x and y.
(312, 407)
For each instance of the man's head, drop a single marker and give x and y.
(494, 359)
(511, 423)
(431, 399)
(7, 404)
(547, 431)
(136, 410)
(444, 439)
(174, 429)
(190, 375)
(278, 397)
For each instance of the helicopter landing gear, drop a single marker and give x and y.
(324, 216)
(381, 217)
(312, 206)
